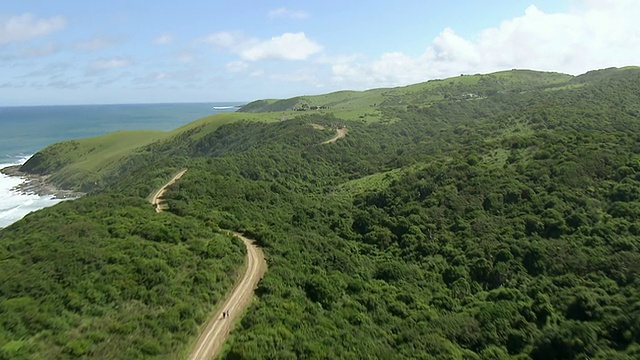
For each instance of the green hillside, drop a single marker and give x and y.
(479, 217)
(106, 277)
(418, 94)
(78, 164)
(85, 164)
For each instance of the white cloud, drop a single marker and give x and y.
(288, 46)
(236, 66)
(27, 26)
(94, 44)
(226, 40)
(594, 34)
(164, 39)
(284, 13)
(108, 64)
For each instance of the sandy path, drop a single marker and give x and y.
(156, 200)
(341, 133)
(214, 335)
(217, 330)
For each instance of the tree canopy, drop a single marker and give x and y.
(496, 226)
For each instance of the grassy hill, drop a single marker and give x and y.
(79, 164)
(83, 164)
(418, 94)
(478, 217)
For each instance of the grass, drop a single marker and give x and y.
(83, 163)
(209, 124)
(353, 105)
(94, 154)
(91, 159)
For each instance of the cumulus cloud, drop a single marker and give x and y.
(594, 34)
(284, 13)
(164, 39)
(288, 46)
(27, 26)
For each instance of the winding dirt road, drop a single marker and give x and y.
(341, 133)
(156, 200)
(214, 335)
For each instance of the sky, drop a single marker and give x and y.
(60, 52)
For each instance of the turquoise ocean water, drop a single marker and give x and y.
(25, 130)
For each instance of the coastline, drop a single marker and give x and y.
(34, 184)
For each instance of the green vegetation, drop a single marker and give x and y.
(106, 277)
(87, 164)
(498, 225)
(78, 164)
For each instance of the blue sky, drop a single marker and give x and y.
(94, 52)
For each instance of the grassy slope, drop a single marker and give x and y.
(92, 157)
(420, 93)
(80, 164)
(209, 124)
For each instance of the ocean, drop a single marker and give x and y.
(25, 130)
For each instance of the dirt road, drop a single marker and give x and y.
(215, 333)
(156, 200)
(341, 133)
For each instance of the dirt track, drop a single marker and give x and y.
(341, 133)
(214, 335)
(156, 200)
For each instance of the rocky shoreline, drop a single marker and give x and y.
(38, 184)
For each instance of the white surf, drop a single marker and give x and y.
(14, 205)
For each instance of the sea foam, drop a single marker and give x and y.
(14, 205)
